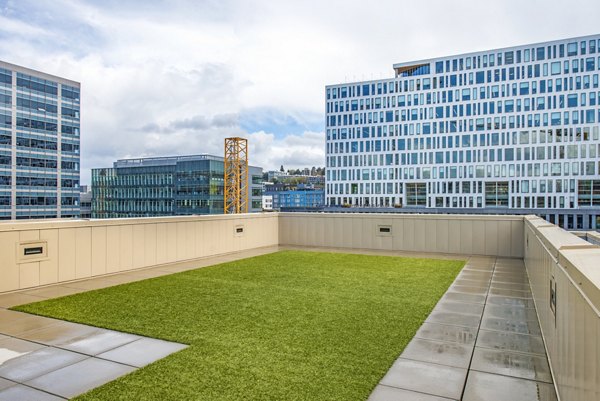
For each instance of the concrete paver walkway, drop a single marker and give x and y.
(482, 342)
(49, 359)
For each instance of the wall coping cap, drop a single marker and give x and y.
(583, 266)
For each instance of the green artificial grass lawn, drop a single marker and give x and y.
(290, 325)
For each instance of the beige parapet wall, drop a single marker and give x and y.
(36, 253)
(564, 274)
(457, 234)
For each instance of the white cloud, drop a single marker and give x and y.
(303, 150)
(171, 76)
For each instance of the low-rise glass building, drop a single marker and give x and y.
(301, 199)
(165, 186)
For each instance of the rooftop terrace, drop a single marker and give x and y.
(529, 289)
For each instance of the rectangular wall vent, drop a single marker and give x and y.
(32, 251)
(238, 231)
(36, 250)
(384, 230)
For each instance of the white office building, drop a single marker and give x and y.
(512, 130)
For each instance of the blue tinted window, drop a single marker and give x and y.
(572, 49)
(524, 88)
(365, 90)
(555, 68)
(480, 77)
(439, 67)
(589, 64)
(590, 116)
(508, 57)
(572, 101)
(5, 78)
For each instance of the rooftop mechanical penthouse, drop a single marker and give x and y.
(514, 128)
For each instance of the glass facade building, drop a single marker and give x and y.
(510, 130)
(39, 144)
(310, 198)
(166, 186)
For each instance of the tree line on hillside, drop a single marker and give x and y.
(314, 171)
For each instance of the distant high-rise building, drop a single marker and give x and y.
(512, 130)
(85, 202)
(166, 186)
(39, 144)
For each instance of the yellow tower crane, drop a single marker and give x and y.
(236, 175)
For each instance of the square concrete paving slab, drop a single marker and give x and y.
(459, 307)
(513, 326)
(509, 286)
(488, 387)
(386, 393)
(440, 352)
(509, 279)
(517, 268)
(99, 341)
(10, 300)
(145, 274)
(89, 285)
(485, 274)
(443, 332)
(517, 278)
(502, 340)
(503, 276)
(29, 323)
(428, 378)
(510, 293)
(472, 283)
(61, 333)
(501, 300)
(468, 290)
(461, 297)
(11, 348)
(38, 363)
(5, 383)
(458, 319)
(483, 280)
(142, 352)
(54, 291)
(510, 312)
(479, 266)
(469, 268)
(11, 315)
(80, 377)
(515, 364)
(24, 393)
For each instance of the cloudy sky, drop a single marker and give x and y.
(169, 77)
